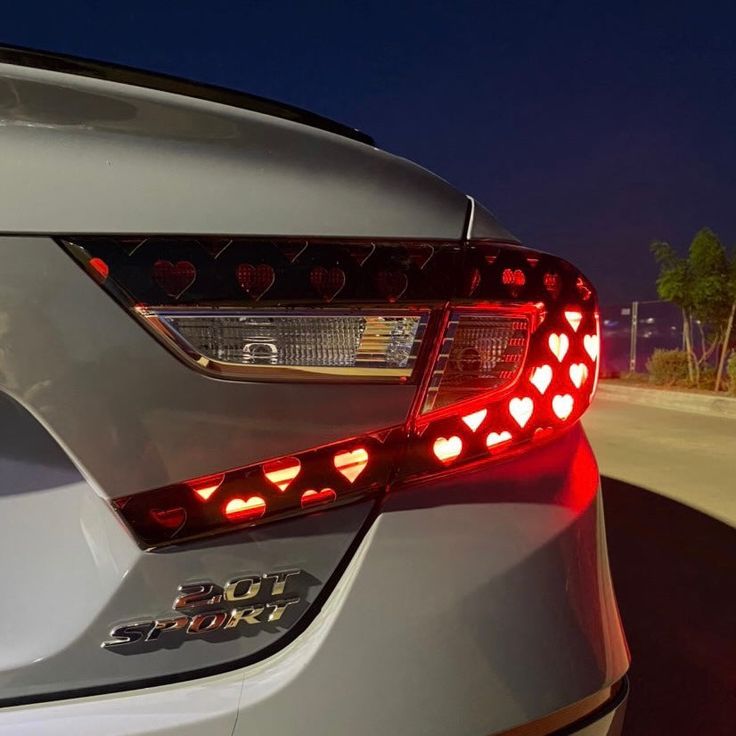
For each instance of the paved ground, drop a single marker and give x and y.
(688, 457)
(674, 567)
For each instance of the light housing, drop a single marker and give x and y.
(501, 345)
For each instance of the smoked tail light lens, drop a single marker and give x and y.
(501, 344)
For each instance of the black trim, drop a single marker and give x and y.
(299, 627)
(611, 705)
(35, 59)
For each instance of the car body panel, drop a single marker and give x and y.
(115, 398)
(470, 602)
(115, 158)
(514, 593)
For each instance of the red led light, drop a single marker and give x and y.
(497, 438)
(328, 283)
(578, 374)
(574, 318)
(521, 410)
(205, 487)
(169, 518)
(318, 498)
(446, 449)
(241, 510)
(472, 378)
(592, 345)
(583, 289)
(511, 277)
(351, 463)
(562, 406)
(255, 280)
(174, 278)
(552, 284)
(541, 378)
(475, 419)
(559, 345)
(282, 472)
(100, 268)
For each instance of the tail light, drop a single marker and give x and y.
(501, 343)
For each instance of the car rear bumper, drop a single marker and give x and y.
(473, 605)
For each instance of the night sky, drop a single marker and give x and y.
(590, 129)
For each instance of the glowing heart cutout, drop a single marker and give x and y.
(282, 472)
(578, 374)
(574, 319)
(318, 498)
(497, 438)
(351, 463)
(446, 449)
(205, 487)
(239, 510)
(475, 419)
(559, 345)
(521, 410)
(541, 378)
(592, 345)
(562, 406)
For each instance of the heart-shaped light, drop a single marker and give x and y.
(205, 487)
(282, 472)
(541, 378)
(255, 280)
(317, 498)
(521, 410)
(446, 449)
(169, 518)
(552, 284)
(559, 345)
(238, 509)
(497, 438)
(583, 289)
(328, 283)
(562, 406)
(592, 345)
(174, 278)
(574, 318)
(475, 419)
(578, 374)
(391, 284)
(511, 277)
(351, 463)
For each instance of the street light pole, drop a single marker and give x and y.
(634, 326)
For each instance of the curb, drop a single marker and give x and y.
(692, 403)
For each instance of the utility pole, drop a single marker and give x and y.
(634, 326)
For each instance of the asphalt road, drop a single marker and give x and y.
(688, 457)
(674, 567)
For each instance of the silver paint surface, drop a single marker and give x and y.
(87, 156)
(129, 413)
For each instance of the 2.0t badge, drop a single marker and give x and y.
(204, 608)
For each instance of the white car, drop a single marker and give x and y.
(290, 432)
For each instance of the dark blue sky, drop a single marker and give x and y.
(588, 128)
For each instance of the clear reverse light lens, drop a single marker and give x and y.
(480, 352)
(364, 344)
